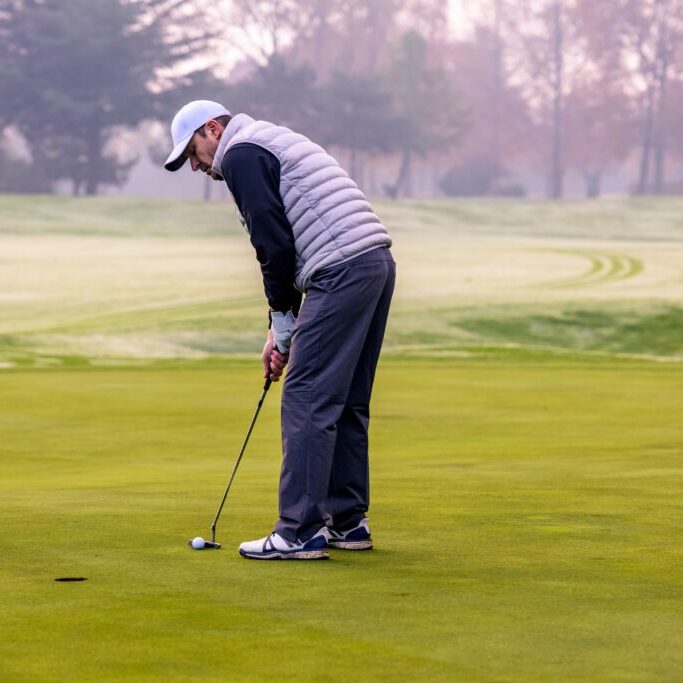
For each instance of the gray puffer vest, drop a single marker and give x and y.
(330, 216)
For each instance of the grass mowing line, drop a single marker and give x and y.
(596, 269)
(605, 268)
(613, 268)
(630, 267)
(622, 267)
(149, 313)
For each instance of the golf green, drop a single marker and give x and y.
(526, 510)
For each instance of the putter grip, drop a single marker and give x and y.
(266, 386)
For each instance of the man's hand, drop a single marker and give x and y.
(273, 361)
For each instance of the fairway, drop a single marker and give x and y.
(114, 280)
(527, 482)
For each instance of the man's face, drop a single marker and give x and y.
(201, 149)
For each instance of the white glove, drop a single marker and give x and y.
(282, 327)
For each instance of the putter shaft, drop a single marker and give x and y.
(266, 386)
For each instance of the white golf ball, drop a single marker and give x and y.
(198, 543)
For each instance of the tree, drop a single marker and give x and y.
(673, 124)
(358, 36)
(75, 72)
(264, 29)
(15, 169)
(644, 39)
(431, 116)
(369, 109)
(545, 59)
(281, 92)
(500, 128)
(600, 129)
(429, 18)
(357, 114)
(652, 30)
(600, 114)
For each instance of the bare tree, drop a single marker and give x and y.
(600, 129)
(503, 109)
(545, 54)
(653, 29)
(427, 102)
(353, 36)
(500, 128)
(647, 36)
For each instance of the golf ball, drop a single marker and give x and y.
(198, 543)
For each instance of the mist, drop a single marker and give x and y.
(416, 98)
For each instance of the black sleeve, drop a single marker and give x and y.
(253, 176)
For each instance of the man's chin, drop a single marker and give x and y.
(213, 175)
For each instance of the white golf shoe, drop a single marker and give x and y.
(357, 538)
(274, 547)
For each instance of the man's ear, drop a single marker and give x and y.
(215, 128)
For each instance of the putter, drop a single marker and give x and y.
(212, 544)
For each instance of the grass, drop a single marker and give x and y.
(527, 517)
(119, 280)
(640, 219)
(526, 451)
(655, 332)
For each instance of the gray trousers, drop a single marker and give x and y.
(326, 395)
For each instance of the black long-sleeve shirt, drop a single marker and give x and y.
(253, 176)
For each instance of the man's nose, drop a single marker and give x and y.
(194, 163)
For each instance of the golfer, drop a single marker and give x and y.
(315, 234)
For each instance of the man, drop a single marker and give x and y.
(314, 233)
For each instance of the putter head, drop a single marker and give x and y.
(208, 545)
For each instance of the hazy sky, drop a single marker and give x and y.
(459, 23)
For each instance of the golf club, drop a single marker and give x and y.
(199, 543)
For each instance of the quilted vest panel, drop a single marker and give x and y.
(331, 219)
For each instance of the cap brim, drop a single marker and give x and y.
(177, 157)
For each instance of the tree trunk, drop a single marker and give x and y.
(660, 128)
(557, 173)
(372, 177)
(360, 171)
(646, 149)
(660, 159)
(497, 88)
(353, 164)
(593, 181)
(94, 152)
(402, 181)
(207, 189)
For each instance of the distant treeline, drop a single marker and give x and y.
(550, 85)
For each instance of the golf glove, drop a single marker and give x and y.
(282, 327)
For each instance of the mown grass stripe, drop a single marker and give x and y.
(605, 267)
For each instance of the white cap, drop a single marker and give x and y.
(191, 117)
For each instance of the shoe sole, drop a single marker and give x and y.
(351, 545)
(301, 555)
